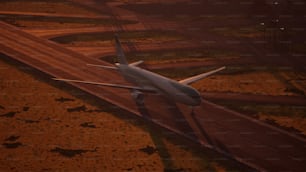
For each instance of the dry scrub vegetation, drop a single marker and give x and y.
(45, 118)
(298, 123)
(45, 128)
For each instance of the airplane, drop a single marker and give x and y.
(149, 82)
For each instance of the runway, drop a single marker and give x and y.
(258, 99)
(249, 141)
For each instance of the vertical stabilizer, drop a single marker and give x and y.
(119, 51)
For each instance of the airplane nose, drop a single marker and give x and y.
(196, 97)
(197, 100)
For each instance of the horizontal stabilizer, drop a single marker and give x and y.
(200, 76)
(106, 84)
(101, 66)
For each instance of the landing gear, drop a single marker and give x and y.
(192, 110)
(138, 97)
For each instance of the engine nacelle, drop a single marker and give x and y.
(138, 97)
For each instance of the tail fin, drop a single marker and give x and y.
(119, 51)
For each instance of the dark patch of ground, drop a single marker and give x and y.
(12, 138)
(12, 145)
(63, 99)
(77, 109)
(88, 125)
(174, 170)
(128, 169)
(9, 114)
(149, 150)
(26, 108)
(83, 108)
(29, 121)
(71, 152)
(10, 142)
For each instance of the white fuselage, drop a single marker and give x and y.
(170, 88)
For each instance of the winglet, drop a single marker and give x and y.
(119, 51)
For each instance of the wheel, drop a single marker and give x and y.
(138, 97)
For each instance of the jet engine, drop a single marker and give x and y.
(138, 97)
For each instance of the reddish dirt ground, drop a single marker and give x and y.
(196, 21)
(46, 128)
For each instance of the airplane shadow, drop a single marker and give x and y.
(213, 142)
(169, 115)
(156, 138)
(173, 116)
(201, 129)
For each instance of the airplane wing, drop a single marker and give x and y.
(101, 66)
(136, 63)
(107, 85)
(193, 79)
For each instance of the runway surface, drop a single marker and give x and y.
(258, 99)
(249, 141)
